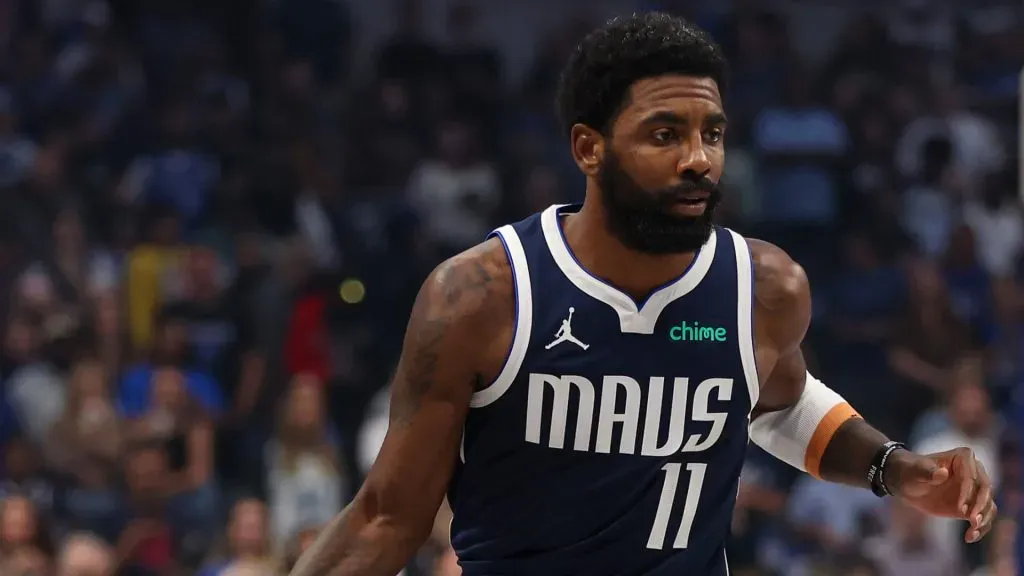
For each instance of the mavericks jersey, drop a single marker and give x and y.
(612, 440)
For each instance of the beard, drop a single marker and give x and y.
(644, 220)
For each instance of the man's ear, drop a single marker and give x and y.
(588, 148)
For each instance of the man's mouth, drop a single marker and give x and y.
(694, 198)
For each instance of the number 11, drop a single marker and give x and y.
(668, 496)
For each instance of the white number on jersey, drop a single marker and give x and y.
(668, 497)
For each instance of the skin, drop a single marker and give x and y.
(461, 328)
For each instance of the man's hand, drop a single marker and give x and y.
(951, 484)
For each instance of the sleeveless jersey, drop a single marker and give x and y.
(612, 440)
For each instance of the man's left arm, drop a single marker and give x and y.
(801, 421)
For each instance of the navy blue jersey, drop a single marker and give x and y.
(611, 442)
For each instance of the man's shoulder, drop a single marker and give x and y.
(475, 277)
(779, 281)
(473, 289)
(465, 310)
(782, 297)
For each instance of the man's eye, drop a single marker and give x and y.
(664, 135)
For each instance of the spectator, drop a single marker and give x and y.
(24, 539)
(967, 370)
(75, 274)
(177, 422)
(248, 540)
(178, 173)
(152, 267)
(219, 341)
(974, 140)
(929, 204)
(169, 350)
(315, 215)
(84, 447)
(972, 424)
(929, 338)
(21, 343)
(147, 544)
(105, 329)
(457, 193)
(995, 219)
(305, 478)
(34, 388)
(970, 288)
(39, 197)
(24, 476)
(307, 347)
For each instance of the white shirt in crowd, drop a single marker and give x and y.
(307, 495)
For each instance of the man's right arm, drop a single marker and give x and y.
(446, 355)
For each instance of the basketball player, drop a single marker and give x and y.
(582, 384)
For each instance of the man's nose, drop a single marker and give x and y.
(694, 157)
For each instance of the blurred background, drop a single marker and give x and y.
(216, 215)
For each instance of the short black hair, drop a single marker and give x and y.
(595, 82)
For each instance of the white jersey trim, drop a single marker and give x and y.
(631, 319)
(523, 319)
(745, 316)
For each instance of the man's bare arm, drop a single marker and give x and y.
(445, 357)
(797, 410)
(783, 309)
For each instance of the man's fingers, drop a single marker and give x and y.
(968, 480)
(984, 525)
(988, 518)
(983, 494)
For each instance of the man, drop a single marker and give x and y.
(624, 457)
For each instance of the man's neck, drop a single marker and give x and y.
(604, 256)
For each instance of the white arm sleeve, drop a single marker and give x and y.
(799, 434)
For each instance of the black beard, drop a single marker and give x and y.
(643, 220)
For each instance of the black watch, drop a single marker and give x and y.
(876, 472)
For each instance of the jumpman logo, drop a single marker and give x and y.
(564, 334)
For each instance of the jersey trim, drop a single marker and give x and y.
(745, 315)
(523, 319)
(632, 319)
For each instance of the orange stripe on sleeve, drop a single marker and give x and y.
(823, 435)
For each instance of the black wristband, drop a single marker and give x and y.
(876, 472)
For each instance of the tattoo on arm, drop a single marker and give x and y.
(436, 376)
(424, 352)
(427, 329)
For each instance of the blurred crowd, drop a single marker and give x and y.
(217, 214)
